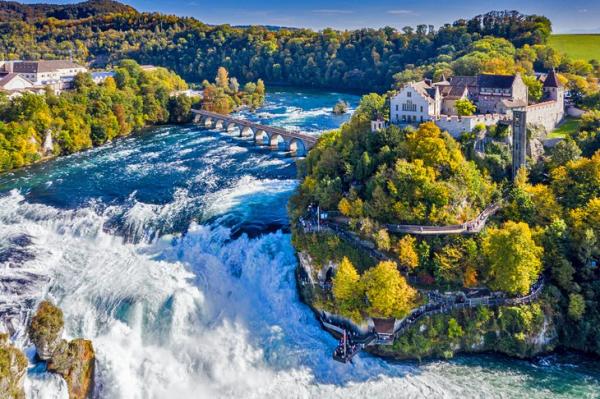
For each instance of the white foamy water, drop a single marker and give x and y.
(204, 316)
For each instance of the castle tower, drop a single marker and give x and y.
(519, 152)
(553, 90)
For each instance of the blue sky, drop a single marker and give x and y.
(568, 16)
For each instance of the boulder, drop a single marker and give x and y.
(13, 366)
(46, 330)
(74, 360)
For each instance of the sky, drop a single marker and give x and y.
(567, 16)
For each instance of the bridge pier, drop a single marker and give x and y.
(275, 137)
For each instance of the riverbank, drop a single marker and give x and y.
(168, 250)
(521, 331)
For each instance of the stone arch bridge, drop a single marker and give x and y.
(275, 137)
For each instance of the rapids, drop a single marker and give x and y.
(171, 251)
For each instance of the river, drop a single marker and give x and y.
(170, 250)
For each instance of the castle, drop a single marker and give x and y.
(495, 96)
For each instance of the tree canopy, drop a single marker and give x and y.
(513, 258)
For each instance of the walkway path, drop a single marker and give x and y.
(438, 304)
(471, 227)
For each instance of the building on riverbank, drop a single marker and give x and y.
(495, 96)
(58, 75)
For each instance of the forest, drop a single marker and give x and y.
(548, 225)
(362, 60)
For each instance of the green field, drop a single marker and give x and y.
(585, 47)
(568, 128)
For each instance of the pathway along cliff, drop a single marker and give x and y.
(170, 251)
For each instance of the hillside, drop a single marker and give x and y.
(362, 60)
(11, 10)
(585, 47)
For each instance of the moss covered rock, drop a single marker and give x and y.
(73, 360)
(13, 366)
(46, 329)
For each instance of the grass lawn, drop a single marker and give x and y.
(567, 128)
(585, 47)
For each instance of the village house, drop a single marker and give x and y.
(56, 74)
(495, 97)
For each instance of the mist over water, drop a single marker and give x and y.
(171, 251)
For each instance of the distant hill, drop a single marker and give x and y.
(11, 10)
(577, 46)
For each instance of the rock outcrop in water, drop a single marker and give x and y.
(13, 366)
(73, 360)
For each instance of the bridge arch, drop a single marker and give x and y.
(262, 138)
(246, 131)
(278, 141)
(207, 122)
(297, 147)
(232, 126)
(219, 124)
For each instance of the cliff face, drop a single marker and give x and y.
(13, 366)
(73, 360)
(519, 331)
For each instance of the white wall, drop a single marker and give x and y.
(424, 110)
(17, 83)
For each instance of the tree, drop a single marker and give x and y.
(346, 288)
(576, 306)
(513, 258)
(464, 107)
(345, 207)
(180, 109)
(534, 87)
(455, 331)
(387, 292)
(222, 78)
(382, 239)
(407, 253)
(578, 181)
(234, 85)
(564, 151)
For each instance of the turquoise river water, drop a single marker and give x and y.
(170, 250)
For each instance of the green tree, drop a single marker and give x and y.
(346, 288)
(534, 87)
(407, 254)
(576, 306)
(464, 107)
(387, 292)
(180, 109)
(513, 258)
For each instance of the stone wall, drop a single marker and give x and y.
(547, 114)
(457, 125)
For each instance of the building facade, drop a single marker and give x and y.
(54, 73)
(495, 96)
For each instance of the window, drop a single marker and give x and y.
(396, 107)
(409, 94)
(409, 106)
(421, 108)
